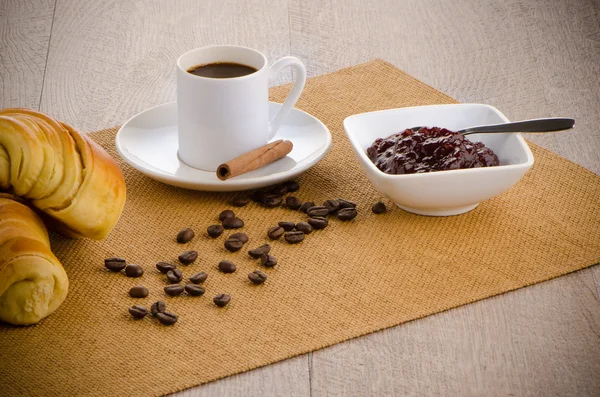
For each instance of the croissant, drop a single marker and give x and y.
(61, 172)
(33, 283)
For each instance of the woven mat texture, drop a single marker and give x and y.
(348, 280)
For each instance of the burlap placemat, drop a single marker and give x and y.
(345, 281)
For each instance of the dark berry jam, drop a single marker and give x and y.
(427, 150)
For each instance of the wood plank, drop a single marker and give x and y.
(25, 28)
(541, 340)
(110, 60)
(286, 378)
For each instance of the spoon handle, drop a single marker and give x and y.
(537, 125)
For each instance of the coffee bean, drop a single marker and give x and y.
(293, 202)
(294, 237)
(188, 257)
(115, 264)
(258, 196)
(134, 270)
(292, 186)
(304, 207)
(273, 201)
(226, 214)
(304, 227)
(260, 251)
(185, 235)
(317, 210)
(318, 222)
(174, 276)
(199, 278)
(233, 244)
(240, 201)
(164, 267)
(379, 208)
(167, 318)
(227, 266)
(138, 312)
(243, 237)
(346, 203)
(275, 232)
(158, 307)
(278, 190)
(194, 290)
(268, 260)
(222, 300)
(233, 223)
(332, 205)
(138, 292)
(174, 289)
(215, 231)
(257, 277)
(347, 214)
(287, 226)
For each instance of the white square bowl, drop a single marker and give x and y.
(441, 193)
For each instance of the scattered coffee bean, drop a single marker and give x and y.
(174, 276)
(318, 222)
(240, 201)
(188, 257)
(273, 201)
(379, 208)
(199, 278)
(347, 214)
(226, 214)
(332, 205)
(167, 318)
(215, 231)
(233, 223)
(174, 289)
(317, 210)
(222, 300)
(287, 226)
(257, 277)
(268, 260)
(346, 203)
(275, 232)
(260, 251)
(138, 312)
(138, 292)
(185, 235)
(194, 290)
(304, 227)
(115, 264)
(233, 244)
(134, 270)
(292, 186)
(164, 267)
(294, 237)
(259, 195)
(278, 190)
(158, 307)
(227, 266)
(243, 237)
(304, 207)
(293, 202)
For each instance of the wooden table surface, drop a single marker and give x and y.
(95, 63)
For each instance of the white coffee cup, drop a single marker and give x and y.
(220, 119)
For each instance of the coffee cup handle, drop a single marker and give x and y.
(292, 98)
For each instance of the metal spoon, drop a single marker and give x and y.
(537, 125)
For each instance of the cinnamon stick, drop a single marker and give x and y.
(255, 159)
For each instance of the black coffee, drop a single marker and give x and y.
(222, 70)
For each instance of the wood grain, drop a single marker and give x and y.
(25, 27)
(118, 57)
(96, 63)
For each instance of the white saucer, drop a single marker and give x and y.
(148, 143)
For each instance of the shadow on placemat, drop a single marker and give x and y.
(345, 281)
